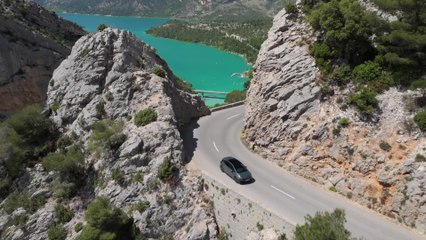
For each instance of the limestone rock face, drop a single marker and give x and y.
(33, 41)
(290, 123)
(109, 75)
(283, 89)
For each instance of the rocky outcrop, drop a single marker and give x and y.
(33, 42)
(108, 75)
(379, 164)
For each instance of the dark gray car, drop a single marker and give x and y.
(236, 170)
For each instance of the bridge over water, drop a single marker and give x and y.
(211, 94)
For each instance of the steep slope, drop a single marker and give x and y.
(167, 8)
(106, 81)
(33, 41)
(379, 164)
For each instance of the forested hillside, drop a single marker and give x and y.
(239, 36)
(169, 8)
(358, 47)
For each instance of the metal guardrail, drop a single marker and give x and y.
(207, 91)
(226, 106)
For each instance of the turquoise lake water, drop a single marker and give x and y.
(207, 68)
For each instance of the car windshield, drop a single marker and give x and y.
(239, 167)
(240, 170)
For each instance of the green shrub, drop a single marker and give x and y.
(259, 226)
(19, 220)
(420, 158)
(105, 221)
(89, 233)
(102, 27)
(166, 169)
(291, 8)
(102, 215)
(5, 184)
(141, 206)
(109, 97)
(68, 163)
(159, 72)
(323, 55)
(31, 124)
(100, 109)
(78, 227)
(385, 146)
(14, 150)
(185, 86)
(117, 176)
(344, 122)
(323, 226)
(63, 214)
(141, 63)
(30, 204)
(145, 117)
(420, 120)
(137, 177)
(367, 72)
(56, 232)
(341, 75)
(365, 100)
(222, 235)
(106, 136)
(55, 106)
(23, 137)
(332, 188)
(63, 142)
(63, 188)
(235, 96)
(153, 184)
(419, 84)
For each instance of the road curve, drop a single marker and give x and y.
(212, 137)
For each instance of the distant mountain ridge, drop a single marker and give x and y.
(170, 8)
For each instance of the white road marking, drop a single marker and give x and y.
(236, 115)
(214, 144)
(281, 191)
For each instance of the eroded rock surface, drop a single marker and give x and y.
(289, 122)
(33, 41)
(113, 69)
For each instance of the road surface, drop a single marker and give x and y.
(292, 197)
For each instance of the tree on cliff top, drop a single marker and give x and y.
(324, 226)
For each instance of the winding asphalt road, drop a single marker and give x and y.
(213, 137)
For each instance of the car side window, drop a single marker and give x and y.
(229, 166)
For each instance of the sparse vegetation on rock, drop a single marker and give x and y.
(145, 117)
(167, 169)
(105, 221)
(323, 226)
(159, 72)
(106, 136)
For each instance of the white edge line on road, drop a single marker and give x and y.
(231, 117)
(281, 191)
(214, 144)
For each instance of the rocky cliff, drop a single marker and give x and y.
(109, 78)
(33, 41)
(378, 163)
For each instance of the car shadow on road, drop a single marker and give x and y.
(189, 141)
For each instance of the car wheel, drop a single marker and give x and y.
(221, 168)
